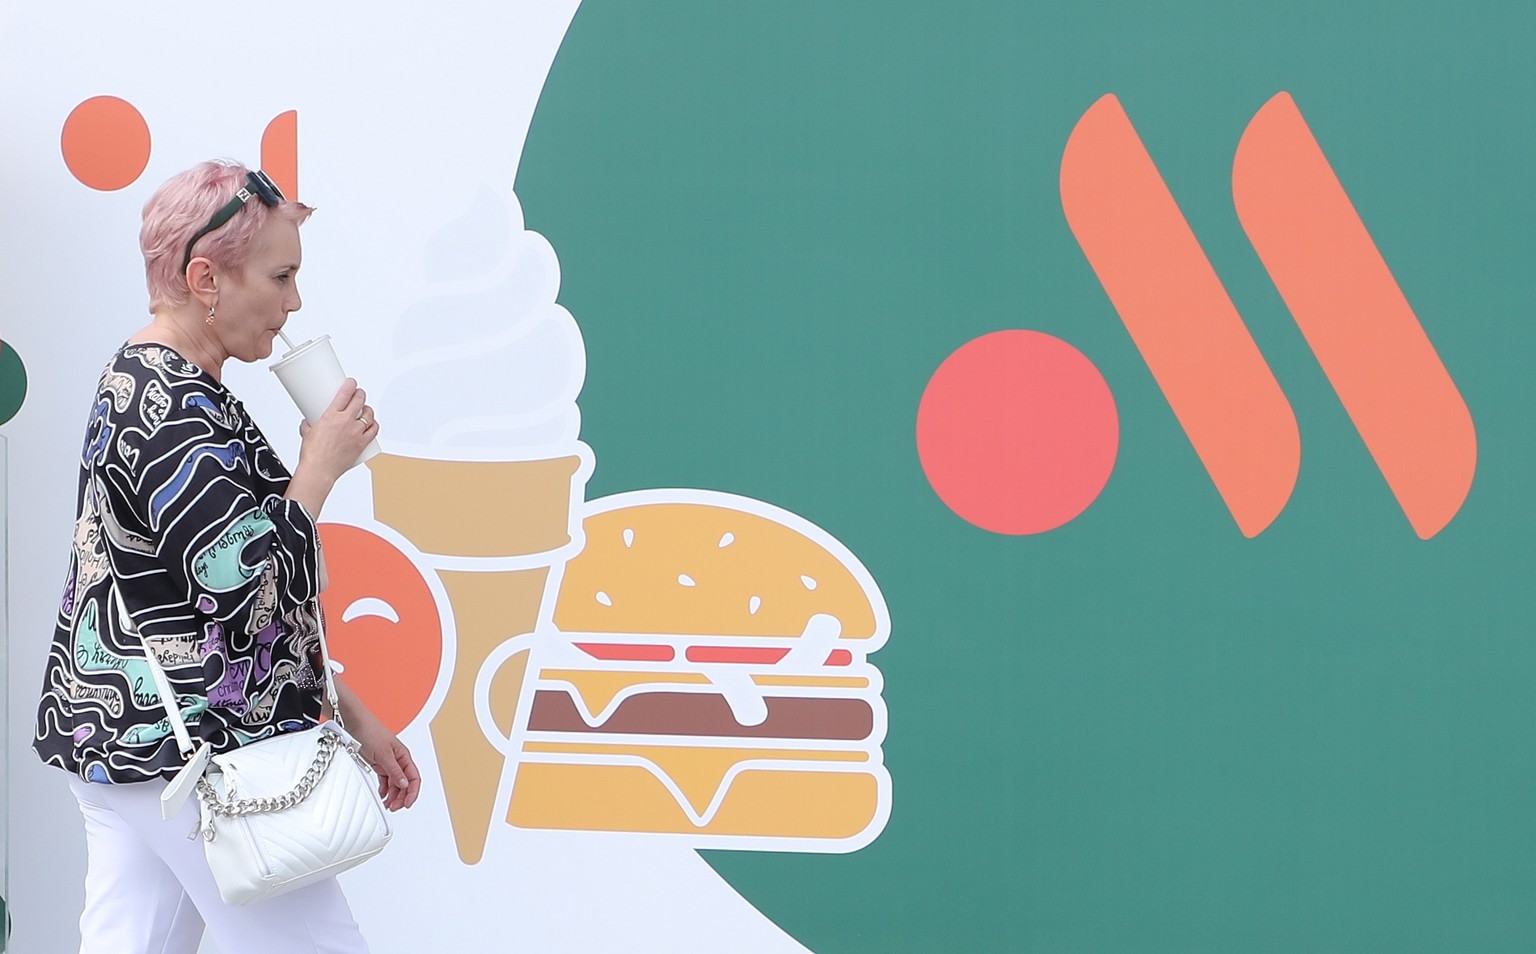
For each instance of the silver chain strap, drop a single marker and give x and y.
(236, 807)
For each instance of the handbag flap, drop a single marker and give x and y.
(269, 768)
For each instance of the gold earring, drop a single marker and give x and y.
(209, 319)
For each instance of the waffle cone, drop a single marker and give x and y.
(470, 508)
(486, 509)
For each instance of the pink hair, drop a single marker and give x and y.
(184, 204)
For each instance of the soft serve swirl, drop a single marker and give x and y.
(490, 364)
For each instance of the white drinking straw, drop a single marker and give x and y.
(285, 339)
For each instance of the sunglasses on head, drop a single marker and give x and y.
(258, 185)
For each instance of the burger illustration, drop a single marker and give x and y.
(705, 677)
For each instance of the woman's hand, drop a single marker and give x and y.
(399, 778)
(331, 446)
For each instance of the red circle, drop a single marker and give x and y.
(1017, 432)
(391, 664)
(105, 143)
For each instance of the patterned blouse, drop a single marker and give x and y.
(181, 507)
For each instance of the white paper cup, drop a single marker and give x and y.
(311, 374)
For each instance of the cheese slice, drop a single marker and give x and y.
(597, 689)
(820, 682)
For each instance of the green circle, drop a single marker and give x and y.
(13, 382)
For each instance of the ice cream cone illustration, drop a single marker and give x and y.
(494, 530)
(483, 472)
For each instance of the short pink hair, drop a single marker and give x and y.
(184, 204)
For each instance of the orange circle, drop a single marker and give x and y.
(105, 143)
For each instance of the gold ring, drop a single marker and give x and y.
(364, 419)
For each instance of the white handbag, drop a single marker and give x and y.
(280, 813)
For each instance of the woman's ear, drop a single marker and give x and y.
(203, 284)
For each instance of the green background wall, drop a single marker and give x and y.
(1141, 731)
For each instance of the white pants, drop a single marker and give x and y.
(148, 889)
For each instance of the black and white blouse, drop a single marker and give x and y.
(181, 506)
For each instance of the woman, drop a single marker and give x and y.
(175, 479)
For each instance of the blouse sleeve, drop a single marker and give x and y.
(224, 548)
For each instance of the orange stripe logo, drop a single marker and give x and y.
(1331, 276)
